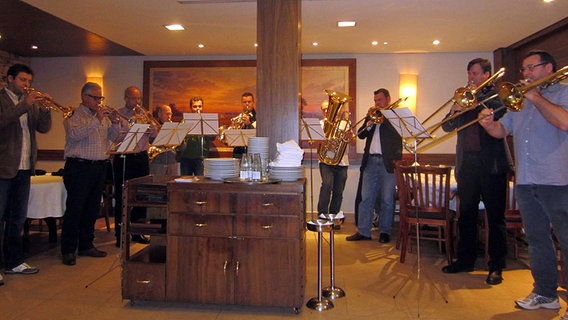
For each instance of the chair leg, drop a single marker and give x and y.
(404, 241)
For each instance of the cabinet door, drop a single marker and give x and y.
(268, 273)
(199, 270)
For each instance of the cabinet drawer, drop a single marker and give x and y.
(200, 224)
(199, 201)
(144, 281)
(267, 227)
(269, 204)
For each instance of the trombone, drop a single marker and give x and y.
(113, 114)
(145, 116)
(511, 97)
(49, 104)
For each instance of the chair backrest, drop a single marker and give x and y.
(423, 188)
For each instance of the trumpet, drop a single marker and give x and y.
(48, 103)
(114, 115)
(375, 115)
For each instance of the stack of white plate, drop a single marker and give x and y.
(220, 168)
(287, 173)
(260, 145)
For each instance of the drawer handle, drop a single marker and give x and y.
(237, 268)
(200, 203)
(200, 225)
(143, 281)
(267, 204)
(225, 267)
(267, 226)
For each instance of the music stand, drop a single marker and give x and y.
(408, 126)
(239, 137)
(171, 135)
(202, 124)
(311, 130)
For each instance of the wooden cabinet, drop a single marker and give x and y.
(144, 271)
(236, 243)
(226, 243)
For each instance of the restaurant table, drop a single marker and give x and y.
(46, 202)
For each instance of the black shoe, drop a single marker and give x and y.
(336, 227)
(357, 237)
(384, 238)
(140, 239)
(93, 252)
(494, 277)
(456, 268)
(68, 259)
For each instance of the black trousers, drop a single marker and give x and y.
(84, 181)
(476, 184)
(126, 167)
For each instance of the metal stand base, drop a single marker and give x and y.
(332, 292)
(319, 303)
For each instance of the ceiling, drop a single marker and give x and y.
(228, 27)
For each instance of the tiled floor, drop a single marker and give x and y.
(378, 286)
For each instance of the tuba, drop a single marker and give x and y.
(337, 130)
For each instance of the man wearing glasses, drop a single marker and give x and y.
(88, 134)
(137, 164)
(540, 132)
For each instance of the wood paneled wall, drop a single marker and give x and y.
(553, 39)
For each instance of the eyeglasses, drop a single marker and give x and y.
(98, 98)
(530, 67)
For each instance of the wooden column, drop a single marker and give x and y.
(278, 70)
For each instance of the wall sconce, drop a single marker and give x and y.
(96, 79)
(408, 84)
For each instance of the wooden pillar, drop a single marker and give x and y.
(278, 70)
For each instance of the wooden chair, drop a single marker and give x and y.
(513, 221)
(424, 195)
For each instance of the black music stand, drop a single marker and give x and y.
(311, 130)
(409, 127)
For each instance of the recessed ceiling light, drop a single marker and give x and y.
(436, 42)
(547, 0)
(315, 44)
(385, 43)
(343, 24)
(201, 45)
(375, 43)
(34, 47)
(174, 27)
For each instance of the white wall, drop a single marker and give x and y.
(439, 74)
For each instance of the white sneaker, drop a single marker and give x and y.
(23, 268)
(535, 301)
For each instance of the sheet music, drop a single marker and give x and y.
(405, 123)
(133, 138)
(310, 129)
(202, 124)
(171, 134)
(239, 137)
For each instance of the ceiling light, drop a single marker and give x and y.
(174, 27)
(256, 45)
(375, 43)
(547, 0)
(201, 45)
(34, 47)
(315, 44)
(343, 24)
(436, 42)
(385, 43)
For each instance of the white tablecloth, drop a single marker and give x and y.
(47, 197)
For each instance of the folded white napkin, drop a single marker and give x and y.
(289, 154)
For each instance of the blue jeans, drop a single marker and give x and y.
(377, 182)
(14, 195)
(332, 184)
(542, 206)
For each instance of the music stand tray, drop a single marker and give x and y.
(133, 141)
(239, 137)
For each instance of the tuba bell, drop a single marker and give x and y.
(337, 130)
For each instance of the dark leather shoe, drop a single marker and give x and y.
(456, 268)
(93, 252)
(494, 277)
(336, 227)
(384, 238)
(68, 259)
(357, 237)
(140, 239)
